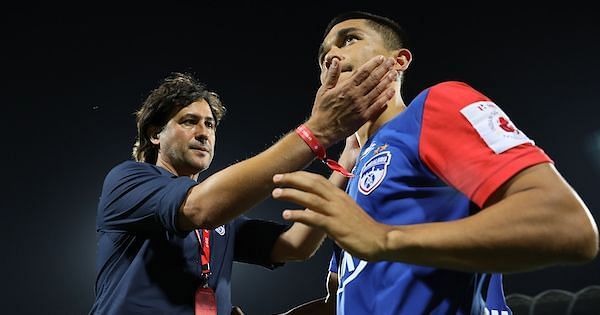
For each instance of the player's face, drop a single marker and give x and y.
(187, 141)
(352, 42)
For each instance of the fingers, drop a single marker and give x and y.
(367, 76)
(305, 189)
(380, 104)
(333, 74)
(308, 200)
(365, 70)
(304, 181)
(377, 88)
(390, 77)
(310, 218)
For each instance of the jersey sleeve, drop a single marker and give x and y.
(254, 241)
(137, 197)
(470, 143)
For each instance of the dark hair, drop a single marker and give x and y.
(393, 34)
(175, 92)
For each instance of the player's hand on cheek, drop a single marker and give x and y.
(340, 108)
(332, 210)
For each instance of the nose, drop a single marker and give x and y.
(201, 134)
(202, 138)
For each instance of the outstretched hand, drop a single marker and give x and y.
(332, 210)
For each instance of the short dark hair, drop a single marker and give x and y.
(393, 34)
(176, 91)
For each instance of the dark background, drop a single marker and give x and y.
(71, 82)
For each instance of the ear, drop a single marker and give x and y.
(153, 134)
(403, 59)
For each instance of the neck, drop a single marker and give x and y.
(394, 107)
(164, 164)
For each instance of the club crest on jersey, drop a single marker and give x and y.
(373, 172)
(220, 230)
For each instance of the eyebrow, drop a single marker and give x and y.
(194, 116)
(341, 33)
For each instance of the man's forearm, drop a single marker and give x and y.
(230, 192)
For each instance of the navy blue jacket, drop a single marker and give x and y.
(145, 265)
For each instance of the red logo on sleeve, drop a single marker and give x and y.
(494, 126)
(506, 125)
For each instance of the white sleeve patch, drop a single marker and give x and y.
(494, 126)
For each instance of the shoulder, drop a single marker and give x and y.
(130, 167)
(451, 85)
(130, 170)
(456, 91)
(450, 97)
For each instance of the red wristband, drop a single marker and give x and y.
(319, 150)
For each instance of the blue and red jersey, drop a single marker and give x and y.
(439, 160)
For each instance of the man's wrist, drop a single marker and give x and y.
(322, 134)
(319, 149)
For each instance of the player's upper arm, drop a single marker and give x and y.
(554, 204)
(470, 143)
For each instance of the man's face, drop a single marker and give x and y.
(187, 141)
(353, 42)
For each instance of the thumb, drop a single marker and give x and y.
(333, 74)
(352, 141)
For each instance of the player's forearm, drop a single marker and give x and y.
(301, 241)
(515, 234)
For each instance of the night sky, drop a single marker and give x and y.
(71, 83)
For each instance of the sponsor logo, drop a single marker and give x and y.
(494, 126)
(506, 125)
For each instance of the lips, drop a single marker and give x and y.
(203, 149)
